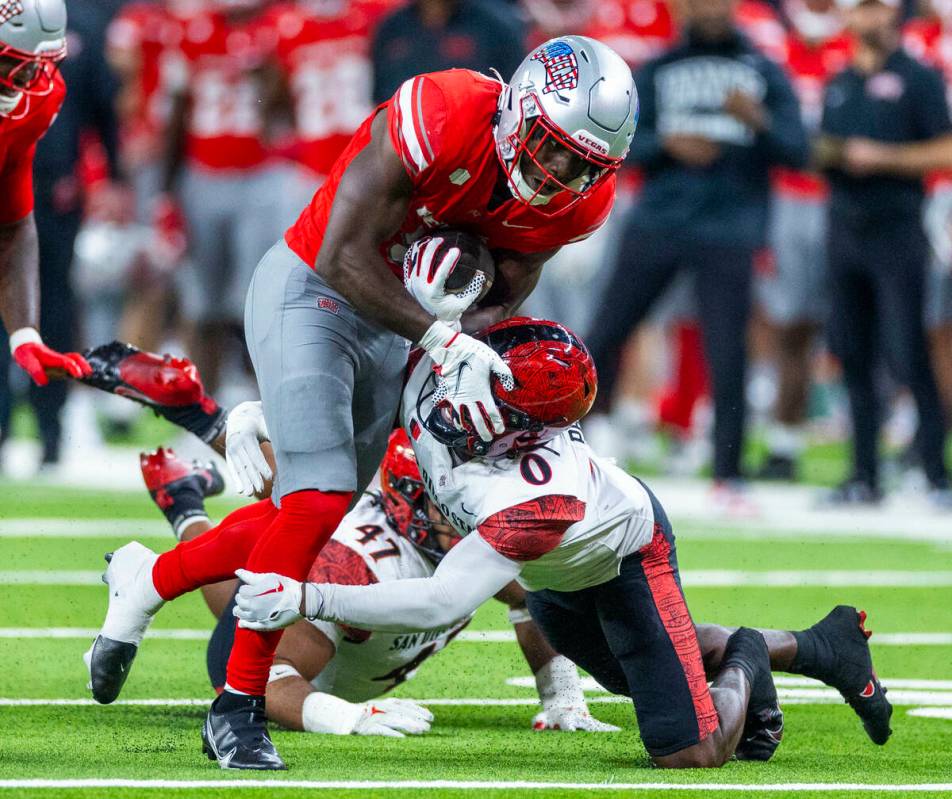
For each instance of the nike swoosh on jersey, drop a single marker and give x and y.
(507, 223)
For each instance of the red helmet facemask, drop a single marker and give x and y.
(555, 386)
(31, 74)
(404, 498)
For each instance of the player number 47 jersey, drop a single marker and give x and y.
(365, 549)
(566, 514)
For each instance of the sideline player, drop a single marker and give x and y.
(527, 166)
(32, 43)
(325, 676)
(594, 549)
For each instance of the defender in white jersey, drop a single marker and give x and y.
(595, 549)
(326, 677)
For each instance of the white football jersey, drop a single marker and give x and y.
(618, 518)
(366, 665)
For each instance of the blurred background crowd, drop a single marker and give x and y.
(768, 268)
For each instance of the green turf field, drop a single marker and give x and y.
(479, 747)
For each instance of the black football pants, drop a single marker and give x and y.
(647, 263)
(877, 277)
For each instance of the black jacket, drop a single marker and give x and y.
(683, 91)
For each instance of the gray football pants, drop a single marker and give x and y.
(330, 379)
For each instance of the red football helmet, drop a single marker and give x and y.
(404, 498)
(555, 386)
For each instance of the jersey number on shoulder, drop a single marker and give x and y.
(371, 532)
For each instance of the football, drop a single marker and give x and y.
(475, 257)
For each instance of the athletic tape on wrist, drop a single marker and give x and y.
(323, 713)
(25, 335)
(558, 684)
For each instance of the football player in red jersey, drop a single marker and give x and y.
(526, 166)
(32, 42)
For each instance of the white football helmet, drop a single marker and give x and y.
(571, 92)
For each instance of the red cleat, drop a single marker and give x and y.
(170, 386)
(179, 488)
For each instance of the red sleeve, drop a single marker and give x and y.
(16, 178)
(339, 564)
(528, 530)
(16, 186)
(416, 117)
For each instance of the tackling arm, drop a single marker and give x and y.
(469, 574)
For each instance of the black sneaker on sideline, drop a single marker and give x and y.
(236, 735)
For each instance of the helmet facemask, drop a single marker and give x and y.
(26, 74)
(541, 161)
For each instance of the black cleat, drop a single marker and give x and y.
(836, 651)
(109, 663)
(170, 386)
(852, 493)
(763, 727)
(235, 734)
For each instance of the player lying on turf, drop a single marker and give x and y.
(594, 548)
(327, 677)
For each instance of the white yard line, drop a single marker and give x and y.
(469, 636)
(794, 696)
(697, 578)
(126, 529)
(480, 785)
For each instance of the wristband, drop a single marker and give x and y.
(519, 615)
(25, 335)
(439, 334)
(327, 714)
(280, 671)
(558, 684)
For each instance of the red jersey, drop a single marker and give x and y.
(18, 138)
(326, 62)
(930, 42)
(440, 124)
(809, 67)
(148, 35)
(222, 59)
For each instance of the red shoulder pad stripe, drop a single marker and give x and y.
(529, 530)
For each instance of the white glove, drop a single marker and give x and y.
(464, 378)
(324, 713)
(563, 703)
(267, 601)
(426, 267)
(244, 431)
(393, 718)
(570, 719)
